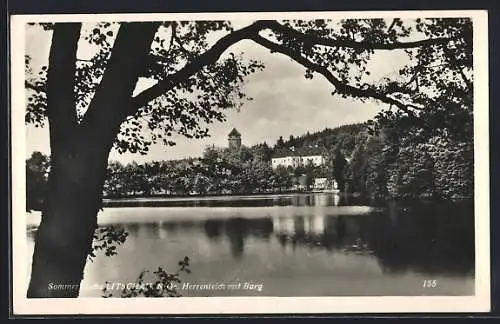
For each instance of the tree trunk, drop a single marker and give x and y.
(79, 154)
(69, 218)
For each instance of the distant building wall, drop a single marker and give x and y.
(295, 161)
(315, 159)
(320, 183)
(234, 139)
(286, 161)
(234, 143)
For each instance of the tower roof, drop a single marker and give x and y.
(234, 133)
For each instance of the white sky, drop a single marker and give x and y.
(285, 103)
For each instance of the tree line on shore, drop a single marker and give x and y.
(380, 162)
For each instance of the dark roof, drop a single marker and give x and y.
(303, 151)
(307, 151)
(234, 133)
(284, 153)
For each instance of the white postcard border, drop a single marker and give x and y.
(253, 305)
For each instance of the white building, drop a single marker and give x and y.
(297, 157)
(320, 183)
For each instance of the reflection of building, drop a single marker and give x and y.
(283, 225)
(237, 230)
(310, 225)
(234, 139)
(298, 157)
(315, 225)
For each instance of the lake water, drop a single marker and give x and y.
(292, 245)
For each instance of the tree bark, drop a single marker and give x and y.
(79, 155)
(69, 218)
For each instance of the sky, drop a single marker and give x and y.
(284, 103)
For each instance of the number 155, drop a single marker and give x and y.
(430, 284)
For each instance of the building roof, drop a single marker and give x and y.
(303, 151)
(234, 133)
(308, 151)
(285, 152)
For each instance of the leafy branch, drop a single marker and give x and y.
(107, 239)
(252, 32)
(340, 86)
(368, 45)
(164, 284)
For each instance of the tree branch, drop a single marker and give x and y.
(339, 85)
(315, 40)
(251, 32)
(209, 57)
(173, 27)
(454, 62)
(110, 103)
(34, 87)
(192, 57)
(392, 25)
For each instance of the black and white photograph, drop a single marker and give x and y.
(250, 162)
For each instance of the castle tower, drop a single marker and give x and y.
(234, 139)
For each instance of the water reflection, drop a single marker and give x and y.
(169, 227)
(152, 230)
(237, 230)
(427, 238)
(133, 229)
(213, 228)
(305, 232)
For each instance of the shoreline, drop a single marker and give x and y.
(214, 197)
(112, 207)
